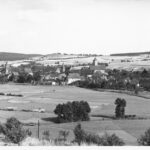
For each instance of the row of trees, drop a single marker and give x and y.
(117, 79)
(79, 110)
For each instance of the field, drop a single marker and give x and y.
(47, 97)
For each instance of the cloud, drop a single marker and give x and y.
(76, 25)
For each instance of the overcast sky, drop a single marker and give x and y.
(74, 26)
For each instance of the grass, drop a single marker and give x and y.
(101, 103)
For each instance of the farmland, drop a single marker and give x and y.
(47, 97)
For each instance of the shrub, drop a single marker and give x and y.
(72, 111)
(111, 140)
(17, 95)
(30, 141)
(14, 131)
(145, 139)
(62, 138)
(46, 135)
(63, 134)
(2, 93)
(106, 140)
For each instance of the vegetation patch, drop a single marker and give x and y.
(145, 138)
(72, 111)
(13, 131)
(17, 95)
(10, 94)
(106, 140)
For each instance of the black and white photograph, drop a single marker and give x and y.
(74, 73)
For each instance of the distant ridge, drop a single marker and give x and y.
(130, 54)
(6, 56)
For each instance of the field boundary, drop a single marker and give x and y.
(122, 92)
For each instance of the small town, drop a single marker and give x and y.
(93, 75)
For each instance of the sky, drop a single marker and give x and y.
(74, 26)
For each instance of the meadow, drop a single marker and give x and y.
(101, 103)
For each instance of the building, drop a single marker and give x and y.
(98, 68)
(95, 62)
(73, 77)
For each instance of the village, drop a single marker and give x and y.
(51, 75)
(91, 75)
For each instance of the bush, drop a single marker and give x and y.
(62, 138)
(14, 131)
(2, 94)
(112, 140)
(145, 139)
(17, 95)
(106, 140)
(72, 111)
(63, 134)
(46, 135)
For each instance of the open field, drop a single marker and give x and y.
(48, 97)
(113, 61)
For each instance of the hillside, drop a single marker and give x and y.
(130, 54)
(5, 56)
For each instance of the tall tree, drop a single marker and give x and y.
(120, 107)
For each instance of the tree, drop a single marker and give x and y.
(145, 139)
(120, 107)
(14, 131)
(97, 78)
(21, 78)
(72, 111)
(81, 136)
(37, 76)
(29, 78)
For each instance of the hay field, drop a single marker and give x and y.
(48, 97)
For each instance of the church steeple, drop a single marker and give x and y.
(95, 62)
(63, 68)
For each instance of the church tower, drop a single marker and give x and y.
(95, 62)
(63, 68)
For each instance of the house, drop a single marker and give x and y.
(76, 69)
(48, 80)
(50, 77)
(73, 77)
(97, 68)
